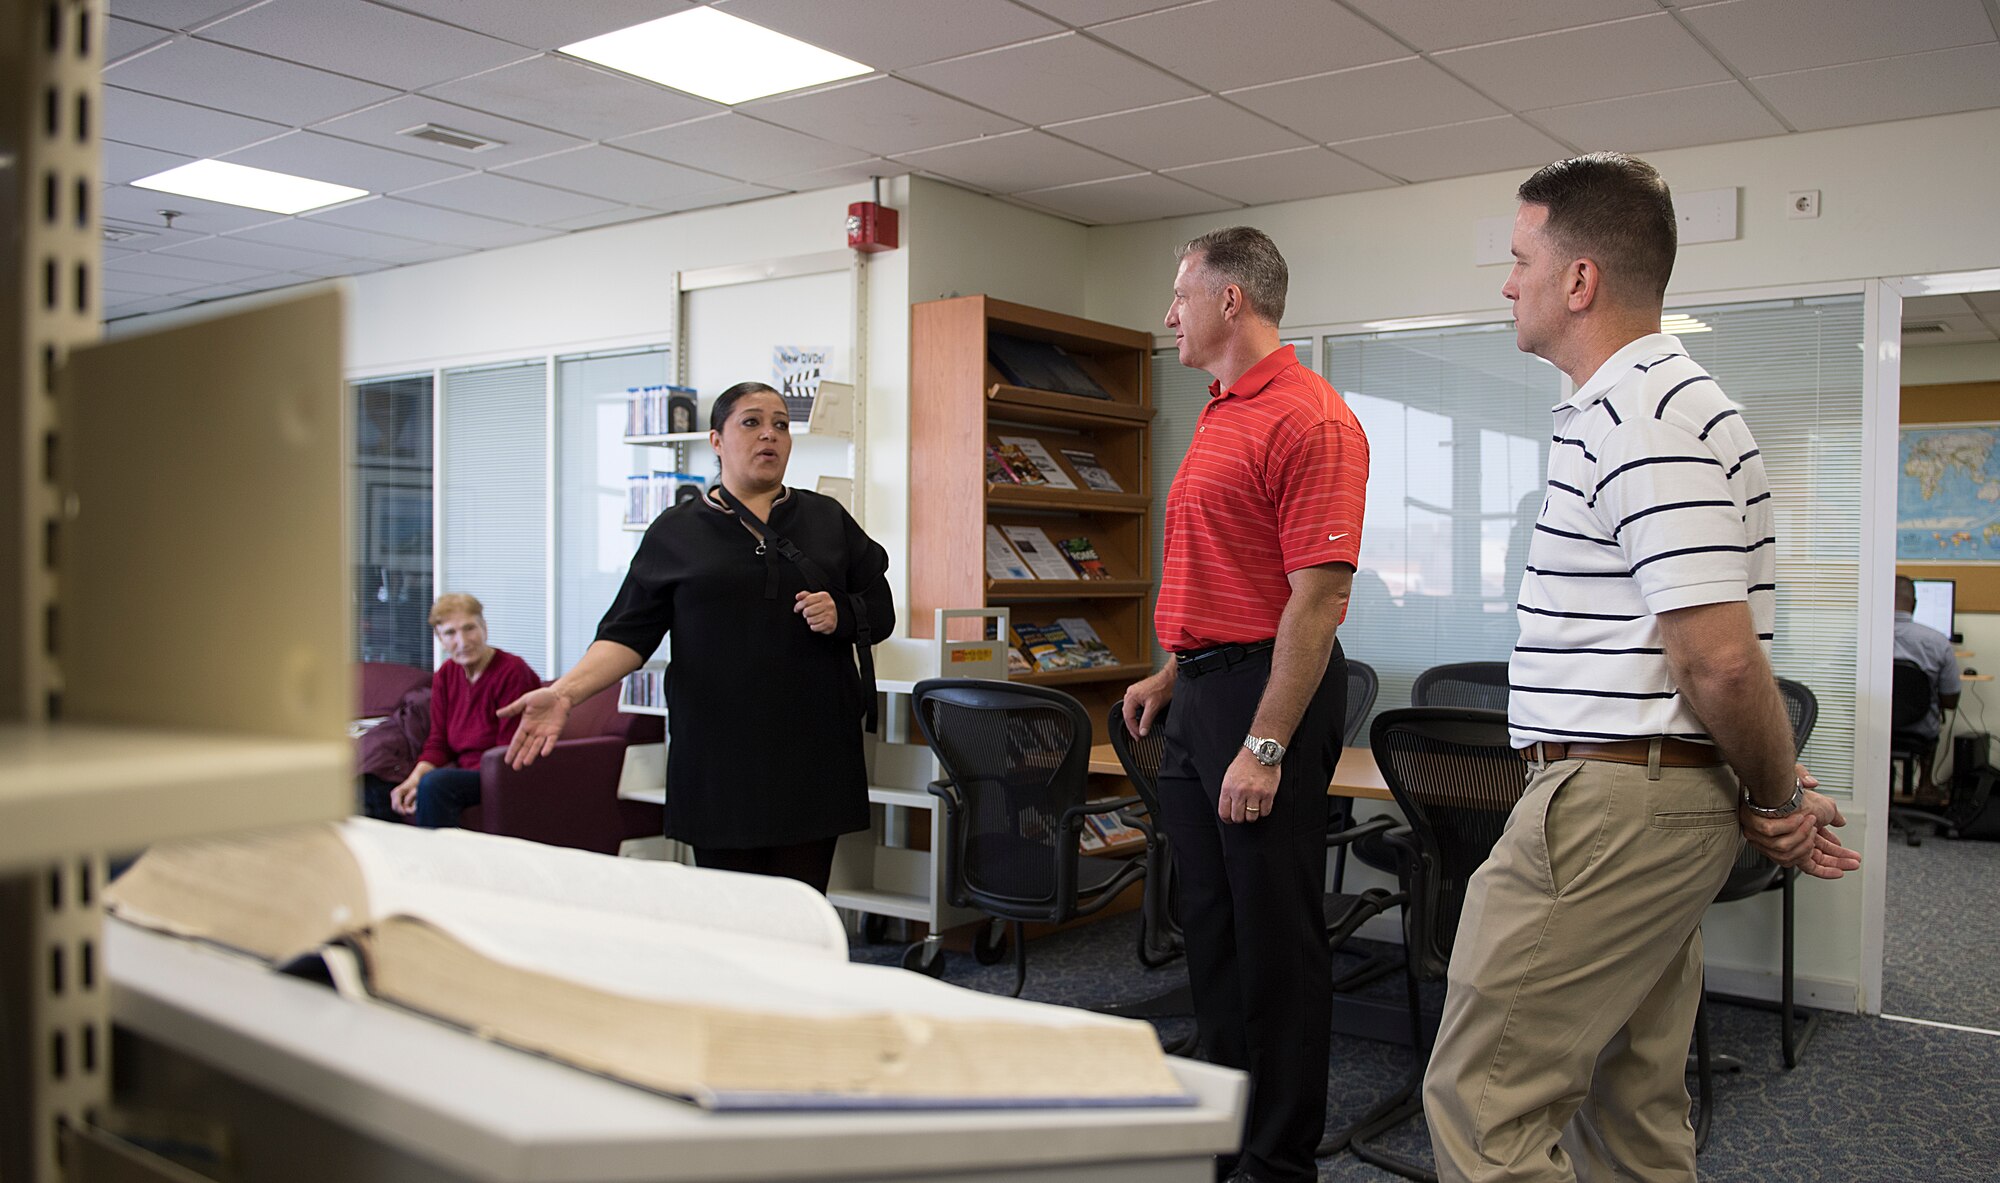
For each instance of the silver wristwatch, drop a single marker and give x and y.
(1786, 810)
(1267, 751)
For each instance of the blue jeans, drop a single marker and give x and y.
(442, 794)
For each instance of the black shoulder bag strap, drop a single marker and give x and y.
(816, 581)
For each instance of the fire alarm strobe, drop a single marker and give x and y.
(871, 226)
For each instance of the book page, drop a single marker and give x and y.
(1001, 561)
(406, 867)
(1039, 553)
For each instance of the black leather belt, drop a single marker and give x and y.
(1216, 658)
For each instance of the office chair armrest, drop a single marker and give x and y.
(953, 802)
(1367, 829)
(945, 790)
(1108, 805)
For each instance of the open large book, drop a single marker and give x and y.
(732, 990)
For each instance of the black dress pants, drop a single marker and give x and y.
(1252, 905)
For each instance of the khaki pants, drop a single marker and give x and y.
(1575, 978)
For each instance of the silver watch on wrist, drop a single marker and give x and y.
(1267, 751)
(1786, 810)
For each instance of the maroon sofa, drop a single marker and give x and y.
(570, 796)
(383, 685)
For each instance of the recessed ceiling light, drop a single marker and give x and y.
(716, 56)
(257, 188)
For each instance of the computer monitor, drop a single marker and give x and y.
(1935, 599)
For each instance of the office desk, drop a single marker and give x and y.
(312, 1087)
(1355, 776)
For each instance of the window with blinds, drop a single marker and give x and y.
(593, 548)
(390, 508)
(495, 505)
(1458, 427)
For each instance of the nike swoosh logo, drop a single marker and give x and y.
(1335, 537)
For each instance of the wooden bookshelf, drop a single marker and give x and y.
(960, 404)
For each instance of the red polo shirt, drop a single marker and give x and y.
(1274, 481)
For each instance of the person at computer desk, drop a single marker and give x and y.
(1931, 650)
(771, 593)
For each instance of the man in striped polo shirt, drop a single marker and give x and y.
(1262, 533)
(1641, 694)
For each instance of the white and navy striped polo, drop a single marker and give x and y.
(1656, 500)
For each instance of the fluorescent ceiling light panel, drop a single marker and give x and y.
(1680, 323)
(719, 57)
(257, 188)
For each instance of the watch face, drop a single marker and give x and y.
(1267, 751)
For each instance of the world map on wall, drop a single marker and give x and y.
(1948, 494)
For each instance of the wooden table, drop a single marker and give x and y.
(1355, 776)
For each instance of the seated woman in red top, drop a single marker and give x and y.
(467, 692)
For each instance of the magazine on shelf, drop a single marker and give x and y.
(1041, 649)
(1091, 472)
(1001, 561)
(1018, 465)
(1017, 662)
(1032, 448)
(1088, 645)
(1040, 365)
(1043, 557)
(1115, 830)
(731, 990)
(1083, 556)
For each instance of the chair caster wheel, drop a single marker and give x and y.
(989, 945)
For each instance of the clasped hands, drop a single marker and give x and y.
(1803, 840)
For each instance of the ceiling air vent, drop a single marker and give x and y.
(1925, 328)
(450, 137)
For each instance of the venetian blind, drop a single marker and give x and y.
(495, 476)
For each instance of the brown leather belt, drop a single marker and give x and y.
(1674, 753)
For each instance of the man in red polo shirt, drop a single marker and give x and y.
(1263, 531)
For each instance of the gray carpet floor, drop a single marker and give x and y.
(1941, 945)
(1872, 1102)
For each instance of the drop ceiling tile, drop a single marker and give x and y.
(140, 306)
(1461, 150)
(145, 235)
(1958, 330)
(1125, 199)
(880, 115)
(1194, 131)
(380, 126)
(1017, 161)
(840, 174)
(611, 217)
(234, 80)
(1933, 83)
(1607, 61)
(892, 34)
(122, 39)
(343, 162)
(727, 195)
(116, 280)
(160, 265)
(340, 268)
(363, 40)
(172, 14)
(169, 126)
(124, 163)
(570, 96)
(739, 146)
(1777, 36)
(426, 223)
(1206, 43)
(612, 174)
(222, 291)
(1932, 307)
(1065, 77)
(143, 206)
(491, 195)
(1092, 12)
(1282, 176)
(1711, 114)
(543, 24)
(1368, 101)
(242, 252)
(1986, 302)
(326, 237)
(1449, 24)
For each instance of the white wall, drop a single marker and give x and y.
(1937, 365)
(975, 246)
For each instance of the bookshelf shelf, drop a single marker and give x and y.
(1072, 500)
(962, 405)
(635, 527)
(1000, 591)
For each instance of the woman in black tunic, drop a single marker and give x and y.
(764, 703)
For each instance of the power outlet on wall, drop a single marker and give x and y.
(1802, 203)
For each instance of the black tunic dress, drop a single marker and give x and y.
(763, 714)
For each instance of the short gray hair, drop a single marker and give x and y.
(1246, 257)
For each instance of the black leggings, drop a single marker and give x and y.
(810, 863)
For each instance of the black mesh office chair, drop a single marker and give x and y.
(1362, 686)
(1481, 685)
(1017, 762)
(1752, 875)
(1911, 695)
(1455, 773)
(1159, 932)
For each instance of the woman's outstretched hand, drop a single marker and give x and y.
(543, 713)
